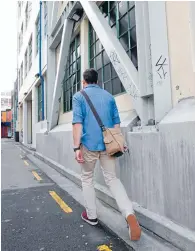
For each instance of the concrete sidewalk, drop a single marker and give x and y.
(107, 215)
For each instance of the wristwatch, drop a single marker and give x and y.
(76, 148)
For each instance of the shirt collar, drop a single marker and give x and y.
(92, 85)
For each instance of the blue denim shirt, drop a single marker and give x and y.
(105, 105)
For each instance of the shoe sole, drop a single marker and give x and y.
(89, 222)
(134, 228)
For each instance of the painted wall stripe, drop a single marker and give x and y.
(60, 202)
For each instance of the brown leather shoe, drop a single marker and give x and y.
(134, 228)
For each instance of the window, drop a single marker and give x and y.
(72, 78)
(26, 63)
(121, 18)
(28, 12)
(22, 32)
(19, 78)
(19, 41)
(39, 103)
(19, 9)
(20, 38)
(26, 16)
(21, 75)
(37, 34)
(30, 53)
(45, 18)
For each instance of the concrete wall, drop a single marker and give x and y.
(158, 174)
(180, 49)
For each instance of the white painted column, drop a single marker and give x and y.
(144, 61)
(84, 37)
(144, 48)
(160, 59)
(51, 66)
(29, 122)
(25, 126)
(34, 115)
(192, 30)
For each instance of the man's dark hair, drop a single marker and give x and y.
(90, 76)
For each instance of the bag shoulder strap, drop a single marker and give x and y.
(96, 115)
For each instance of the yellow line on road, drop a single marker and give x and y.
(103, 248)
(36, 175)
(60, 202)
(26, 163)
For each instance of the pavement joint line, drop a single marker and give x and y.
(36, 175)
(60, 202)
(26, 163)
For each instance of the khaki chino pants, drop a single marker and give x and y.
(116, 187)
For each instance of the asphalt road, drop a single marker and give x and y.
(37, 215)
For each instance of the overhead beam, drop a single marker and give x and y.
(64, 50)
(121, 62)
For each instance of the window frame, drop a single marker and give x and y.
(72, 81)
(30, 54)
(28, 13)
(22, 33)
(39, 99)
(26, 63)
(21, 74)
(37, 25)
(45, 18)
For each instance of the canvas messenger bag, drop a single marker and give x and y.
(113, 138)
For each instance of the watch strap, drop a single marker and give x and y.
(76, 148)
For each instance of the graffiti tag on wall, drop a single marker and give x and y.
(161, 66)
(129, 86)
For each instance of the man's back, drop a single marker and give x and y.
(105, 106)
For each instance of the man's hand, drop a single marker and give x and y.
(79, 156)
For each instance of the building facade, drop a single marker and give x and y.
(32, 68)
(145, 55)
(5, 100)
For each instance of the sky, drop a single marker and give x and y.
(8, 44)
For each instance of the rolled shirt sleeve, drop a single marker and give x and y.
(115, 118)
(77, 110)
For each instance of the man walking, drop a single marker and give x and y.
(89, 147)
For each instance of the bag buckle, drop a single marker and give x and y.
(103, 128)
